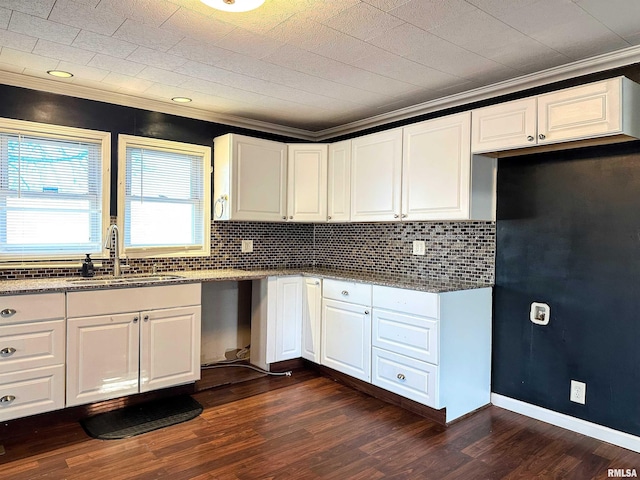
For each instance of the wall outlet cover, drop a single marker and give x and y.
(247, 246)
(578, 392)
(419, 247)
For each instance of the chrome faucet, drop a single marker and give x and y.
(114, 232)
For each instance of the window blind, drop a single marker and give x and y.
(164, 200)
(50, 196)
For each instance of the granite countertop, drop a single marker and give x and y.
(63, 284)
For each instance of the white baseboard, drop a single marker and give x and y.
(606, 434)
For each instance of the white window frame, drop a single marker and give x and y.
(59, 132)
(125, 141)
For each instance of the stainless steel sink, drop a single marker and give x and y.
(92, 282)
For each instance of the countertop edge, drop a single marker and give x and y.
(62, 284)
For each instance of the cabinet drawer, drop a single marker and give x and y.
(350, 292)
(405, 376)
(403, 300)
(31, 345)
(413, 336)
(28, 308)
(31, 391)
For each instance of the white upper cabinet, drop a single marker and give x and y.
(250, 179)
(582, 112)
(504, 126)
(592, 114)
(339, 182)
(376, 176)
(436, 167)
(307, 182)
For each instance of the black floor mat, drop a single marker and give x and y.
(146, 417)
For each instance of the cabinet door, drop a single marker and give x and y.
(504, 126)
(169, 347)
(258, 177)
(580, 112)
(311, 315)
(287, 323)
(436, 169)
(28, 392)
(102, 357)
(376, 176)
(307, 183)
(339, 182)
(346, 338)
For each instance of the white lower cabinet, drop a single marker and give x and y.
(346, 328)
(112, 354)
(434, 348)
(32, 354)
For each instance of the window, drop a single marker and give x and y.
(54, 191)
(163, 197)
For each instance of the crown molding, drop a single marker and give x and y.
(587, 66)
(89, 93)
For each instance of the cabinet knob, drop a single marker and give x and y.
(345, 292)
(7, 399)
(329, 217)
(146, 318)
(284, 217)
(530, 138)
(135, 319)
(401, 376)
(404, 215)
(291, 217)
(7, 312)
(366, 312)
(395, 215)
(318, 283)
(7, 351)
(542, 136)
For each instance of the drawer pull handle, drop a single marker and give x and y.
(401, 376)
(7, 312)
(530, 138)
(7, 351)
(542, 136)
(345, 292)
(7, 399)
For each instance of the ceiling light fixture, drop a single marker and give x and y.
(234, 5)
(59, 73)
(181, 99)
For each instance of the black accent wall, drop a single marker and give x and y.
(568, 234)
(24, 104)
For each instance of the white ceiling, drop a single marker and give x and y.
(308, 64)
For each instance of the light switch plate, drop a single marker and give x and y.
(247, 246)
(419, 247)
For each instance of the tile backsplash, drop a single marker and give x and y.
(455, 251)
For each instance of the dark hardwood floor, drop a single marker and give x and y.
(309, 427)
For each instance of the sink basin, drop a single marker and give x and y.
(92, 282)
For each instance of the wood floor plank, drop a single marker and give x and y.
(308, 427)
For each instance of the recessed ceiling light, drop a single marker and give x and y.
(181, 99)
(234, 5)
(59, 73)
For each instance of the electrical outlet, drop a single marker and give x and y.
(419, 247)
(578, 392)
(247, 246)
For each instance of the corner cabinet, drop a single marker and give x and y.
(311, 319)
(250, 179)
(307, 183)
(339, 182)
(592, 114)
(126, 341)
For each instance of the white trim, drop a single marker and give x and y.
(607, 61)
(606, 434)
